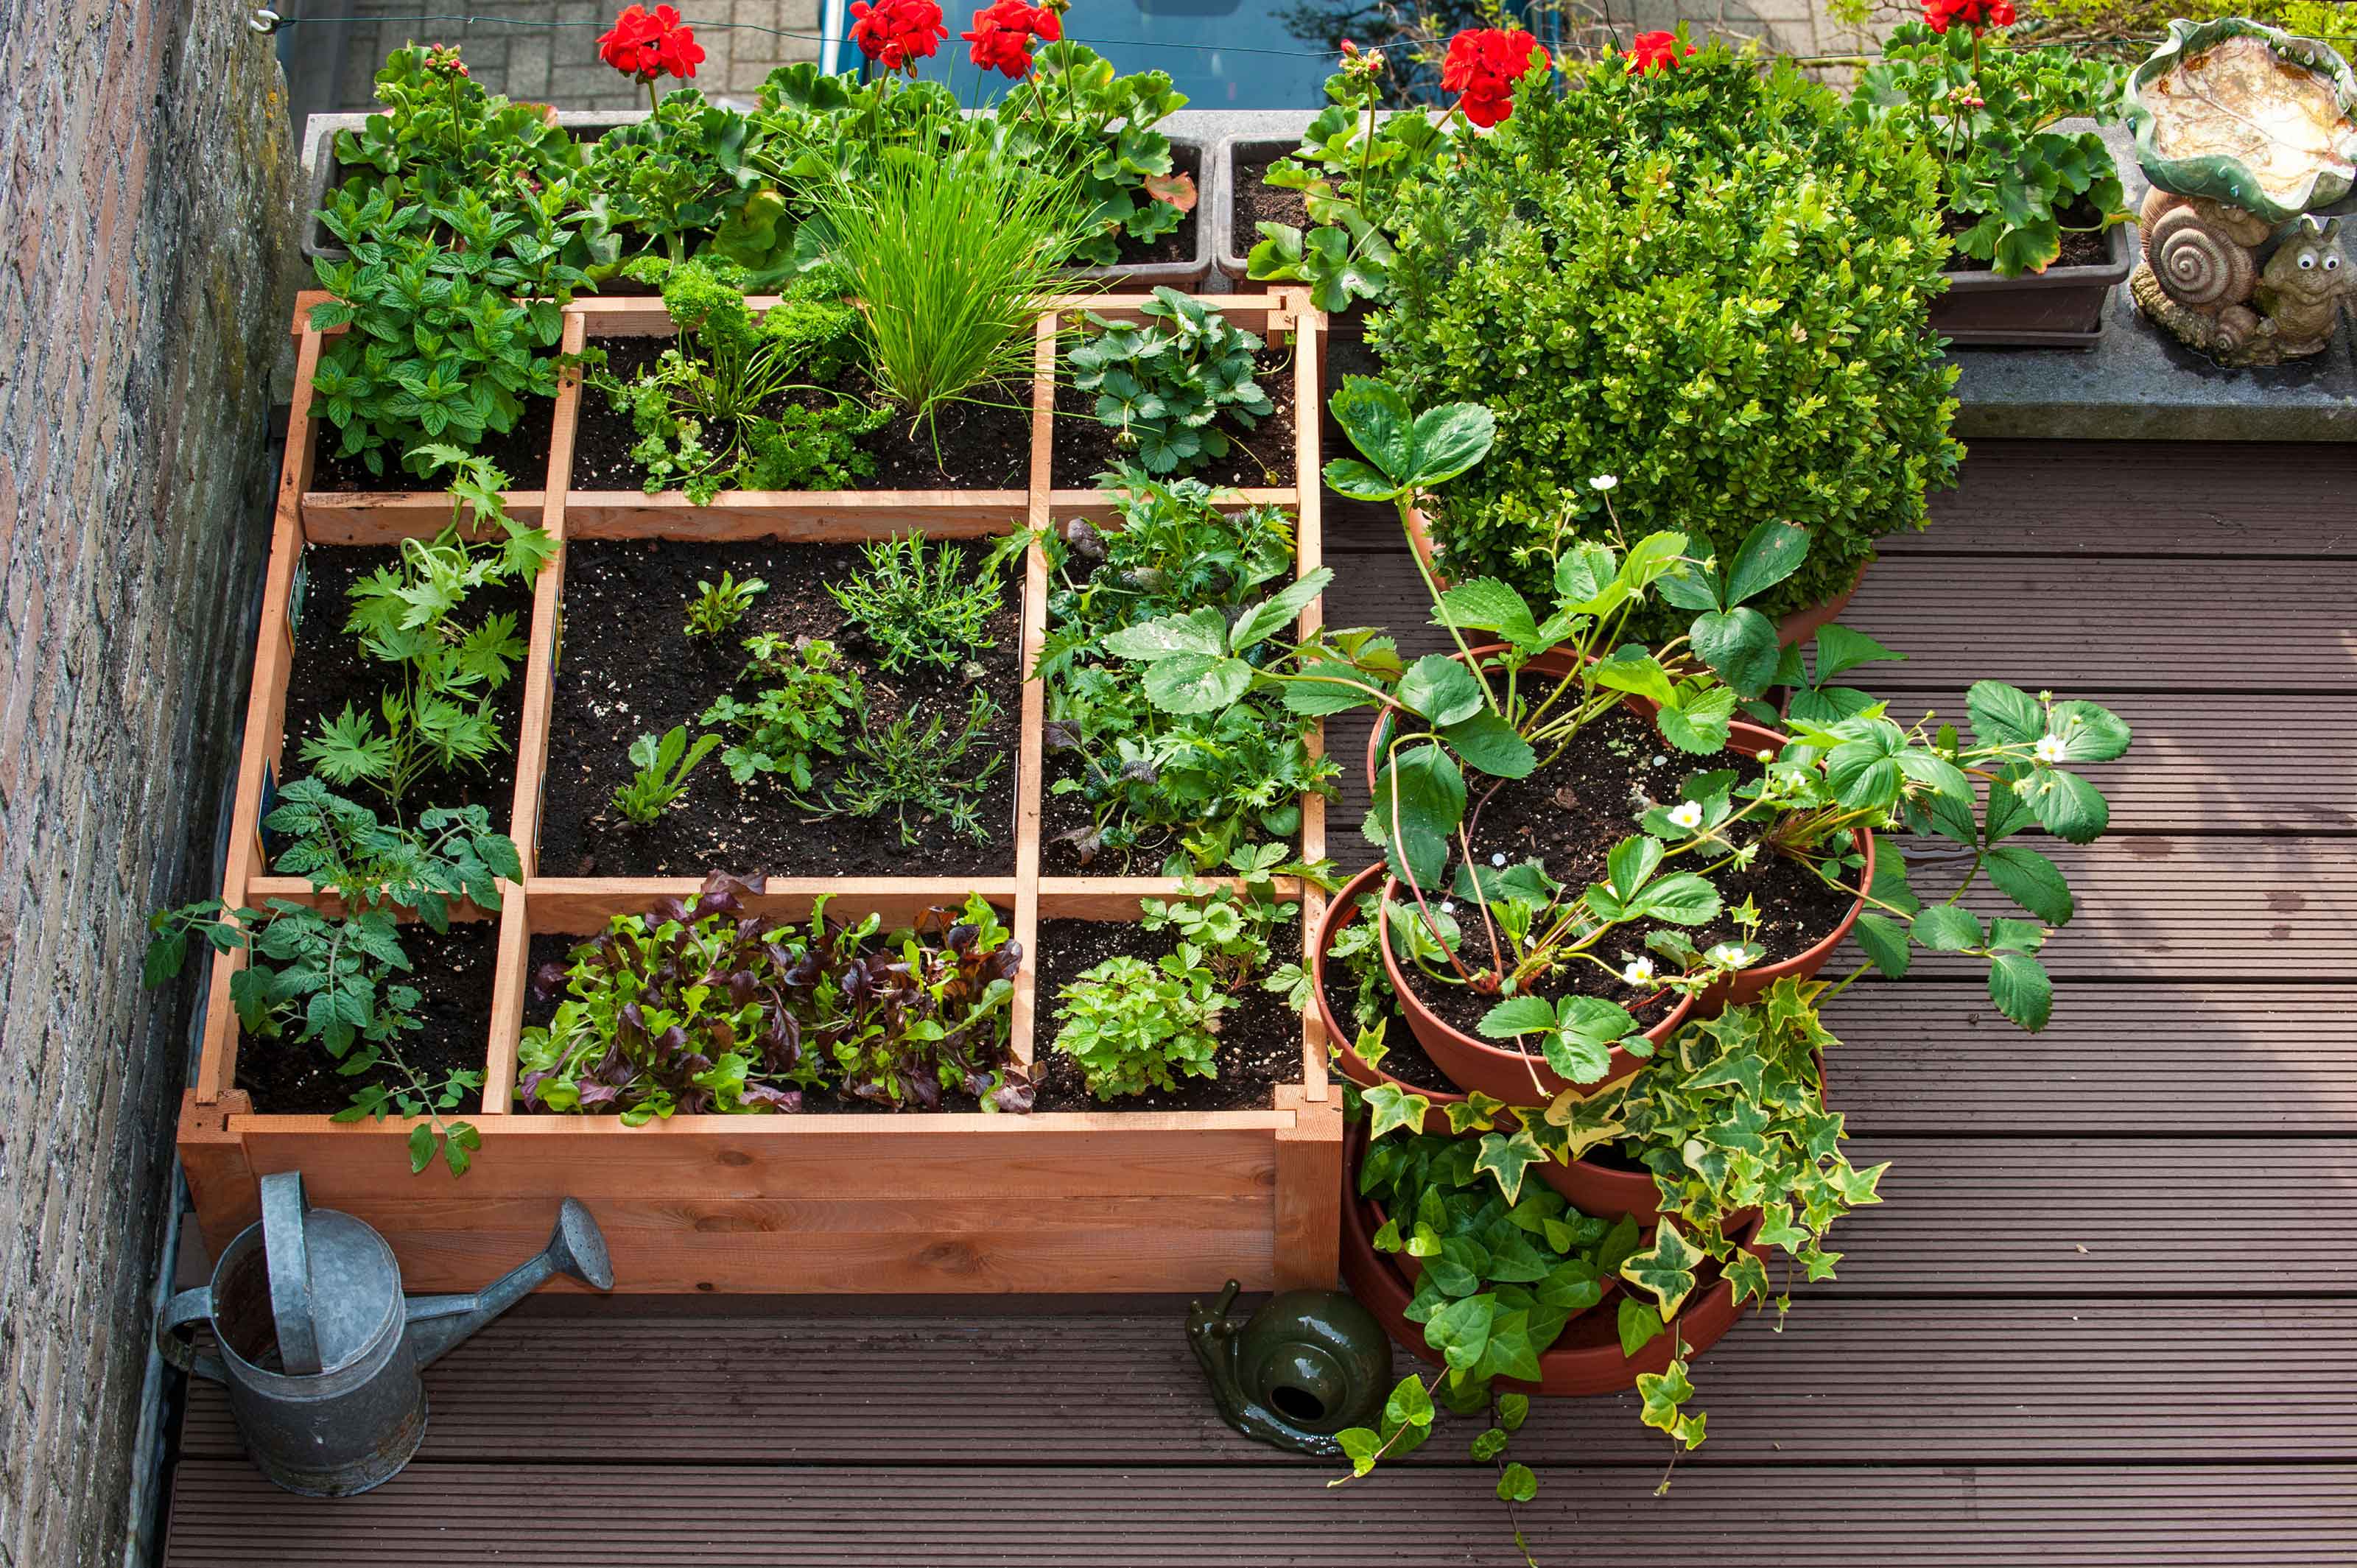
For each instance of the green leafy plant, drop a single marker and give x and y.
(1350, 168)
(804, 710)
(662, 777)
(438, 715)
(922, 609)
(340, 846)
(1710, 284)
(688, 182)
(1234, 927)
(1987, 111)
(1132, 1026)
(1162, 383)
(923, 767)
(1192, 787)
(1073, 115)
(705, 1005)
(952, 260)
(715, 609)
(746, 403)
(451, 317)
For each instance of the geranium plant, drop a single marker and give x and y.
(647, 44)
(1954, 84)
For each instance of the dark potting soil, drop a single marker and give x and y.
(1258, 202)
(1260, 1039)
(982, 446)
(1403, 1058)
(521, 454)
(2082, 246)
(330, 671)
(1258, 458)
(1178, 245)
(629, 669)
(452, 971)
(557, 949)
(1570, 813)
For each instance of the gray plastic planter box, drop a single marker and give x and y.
(1234, 243)
(2061, 307)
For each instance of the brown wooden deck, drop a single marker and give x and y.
(2107, 1314)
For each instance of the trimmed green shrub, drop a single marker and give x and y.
(1706, 283)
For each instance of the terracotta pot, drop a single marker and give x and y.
(1586, 1358)
(1798, 627)
(1340, 910)
(1504, 1074)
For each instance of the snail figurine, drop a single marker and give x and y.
(1307, 1365)
(2202, 279)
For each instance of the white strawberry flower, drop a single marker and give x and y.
(2049, 748)
(1686, 814)
(1603, 482)
(1727, 955)
(1640, 971)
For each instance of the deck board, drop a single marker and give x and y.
(2103, 1316)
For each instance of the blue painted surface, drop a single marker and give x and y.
(1222, 54)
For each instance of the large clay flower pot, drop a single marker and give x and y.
(1586, 1358)
(1799, 626)
(1340, 910)
(1507, 1074)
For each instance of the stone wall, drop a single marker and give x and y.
(145, 173)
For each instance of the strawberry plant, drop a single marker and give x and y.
(1162, 384)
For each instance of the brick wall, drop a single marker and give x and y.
(145, 169)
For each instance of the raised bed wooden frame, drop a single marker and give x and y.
(850, 1203)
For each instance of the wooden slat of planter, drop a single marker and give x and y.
(1899, 1382)
(1063, 505)
(1031, 764)
(811, 517)
(1274, 1515)
(2174, 1056)
(1308, 355)
(583, 903)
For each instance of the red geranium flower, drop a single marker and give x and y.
(1483, 65)
(646, 44)
(1003, 32)
(1978, 15)
(897, 33)
(1662, 52)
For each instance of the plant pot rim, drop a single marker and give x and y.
(1340, 909)
(1188, 273)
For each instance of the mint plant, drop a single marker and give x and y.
(1162, 384)
(804, 710)
(662, 777)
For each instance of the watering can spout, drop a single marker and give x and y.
(439, 1323)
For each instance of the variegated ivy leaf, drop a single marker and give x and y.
(1477, 1113)
(1396, 1109)
(1662, 1393)
(1666, 1268)
(1507, 1157)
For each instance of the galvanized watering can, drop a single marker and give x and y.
(320, 1351)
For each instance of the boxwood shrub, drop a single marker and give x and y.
(1706, 282)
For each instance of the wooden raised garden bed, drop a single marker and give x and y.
(1059, 1200)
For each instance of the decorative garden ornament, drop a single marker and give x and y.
(1304, 1367)
(320, 1351)
(2245, 133)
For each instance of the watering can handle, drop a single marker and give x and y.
(287, 1252)
(188, 1307)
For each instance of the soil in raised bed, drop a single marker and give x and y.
(1258, 458)
(1570, 813)
(629, 669)
(329, 670)
(985, 444)
(452, 971)
(1178, 245)
(521, 454)
(1260, 1038)
(2082, 246)
(1258, 202)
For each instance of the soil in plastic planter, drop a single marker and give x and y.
(452, 973)
(1260, 1038)
(2061, 307)
(329, 671)
(627, 668)
(984, 445)
(1243, 199)
(1793, 628)
(1585, 1360)
(1401, 1049)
